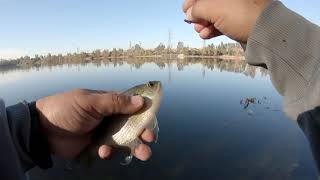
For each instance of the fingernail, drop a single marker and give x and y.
(136, 100)
(189, 16)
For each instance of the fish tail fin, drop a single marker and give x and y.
(133, 145)
(127, 160)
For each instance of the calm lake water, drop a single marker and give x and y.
(205, 133)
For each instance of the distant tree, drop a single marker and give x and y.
(137, 50)
(180, 47)
(137, 47)
(26, 58)
(114, 52)
(37, 57)
(160, 48)
(84, 56)
(60, 58)
(121, 52)
(96, 54)
(105, 53)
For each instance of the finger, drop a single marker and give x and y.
(115, 103)
(187, 4)
(148, 136)
(198, 27)
(104, 152)
(142, 152)
(209, 32)
(199, 20)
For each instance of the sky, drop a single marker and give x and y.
(61, 26)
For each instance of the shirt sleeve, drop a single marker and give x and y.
(19, 123)
(22, 131)
(288, 45)
(11, 167)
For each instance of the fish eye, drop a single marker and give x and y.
(151, 84)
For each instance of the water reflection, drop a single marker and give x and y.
(205, 133)
(236, 66)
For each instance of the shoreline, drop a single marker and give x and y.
(181, 56)
(223, 57)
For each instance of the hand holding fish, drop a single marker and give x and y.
(233, 18)
(68, 120)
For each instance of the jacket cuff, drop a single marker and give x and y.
(39, 146)
(25, 134)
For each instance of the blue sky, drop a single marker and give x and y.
(60, 26)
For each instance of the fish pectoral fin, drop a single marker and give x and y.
(68, 166)
(154, 127)
(132, 145)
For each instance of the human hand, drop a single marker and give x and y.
(69, 118)
(233, 18)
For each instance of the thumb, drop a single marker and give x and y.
(187, 4)
(114, 103)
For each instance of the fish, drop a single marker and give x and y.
(122, 132)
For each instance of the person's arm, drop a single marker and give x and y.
(275, 37)
(61, 125)
(289, 46)
(278, 39)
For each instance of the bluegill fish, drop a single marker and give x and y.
(122, 132)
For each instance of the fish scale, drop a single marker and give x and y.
(131, 129)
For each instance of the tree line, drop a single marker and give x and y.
(230, 49)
